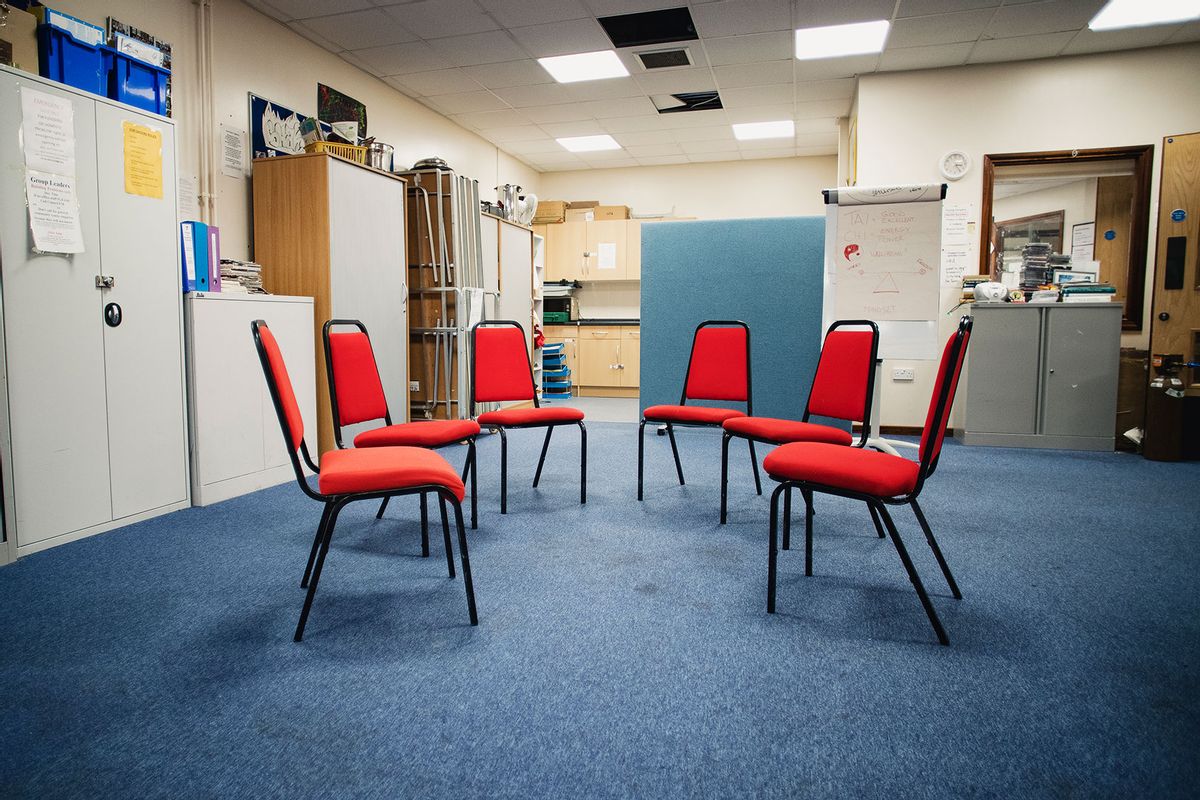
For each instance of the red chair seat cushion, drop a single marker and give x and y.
(381, 469)
(434, 433)
(786, 430)
(692, 415)
(865, 471)
(546, 415)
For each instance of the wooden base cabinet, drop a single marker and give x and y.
(609, 360)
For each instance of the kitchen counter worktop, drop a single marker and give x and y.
(578, 322)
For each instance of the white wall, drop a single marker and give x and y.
(1077, 201)
(778, 187)
(907, 121)
(253, 53)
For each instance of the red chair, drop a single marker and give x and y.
(879, 479)
(356, 396)
(345, 476)
(842, 388)
(718, 369)
(500, 372)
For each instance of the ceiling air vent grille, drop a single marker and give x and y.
(665, 59)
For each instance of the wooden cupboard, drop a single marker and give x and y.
(609, 360)
(598, 250)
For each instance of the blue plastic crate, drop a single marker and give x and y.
(71, 51)
(138, 83)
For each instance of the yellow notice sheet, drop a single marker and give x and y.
(143, 160)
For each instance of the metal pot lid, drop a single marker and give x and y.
(431, 163)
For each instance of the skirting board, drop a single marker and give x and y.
(607, 391)
(83, 533)
(243, 484)
(1038, 441)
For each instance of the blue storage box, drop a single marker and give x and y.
(72, 51)
(138, 83)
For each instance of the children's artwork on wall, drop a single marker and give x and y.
(333, 106)
(275, 129)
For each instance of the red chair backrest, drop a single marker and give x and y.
(500, 365)
(356, 385)
(943, 393)
(719, 367)
(840, 388)
(280, 384)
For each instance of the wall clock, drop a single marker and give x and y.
(954, 165)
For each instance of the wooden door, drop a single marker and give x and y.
(1175, 316)
(1114, 212)
(600, 358)
(565, 244)
(633, 250)
(605, 259)
(631, 356)
(143, 356)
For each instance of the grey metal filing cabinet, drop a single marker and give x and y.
(1043, 376)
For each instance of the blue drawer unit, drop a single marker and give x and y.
(556, 375)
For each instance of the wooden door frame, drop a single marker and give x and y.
(1139, 227)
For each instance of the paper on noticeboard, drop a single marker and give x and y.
(608, 255)
(47, 132)
(143, 160)
(1083, 241)
(53, 212)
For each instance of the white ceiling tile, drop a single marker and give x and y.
(811, 13)
(927, 57)
(605, 155)
(353, 59)
(484, 120)
(760, 113)
(767, 144)
(695, 119)
(1088, 41)
(516, 133)
(268, 9)
(644, 150)
(302, 9)
(701, 158)
(605, 8)
(479, 48)
(823, 108)
(435, 82)
(831, 68)
(769, 152)
(552, 93)
(582, 127)
(675, 81)
(736, 76)
(1019, 47)
(357, 30)
(657, 161)
(922, 8)
(816, 125)
(736, 17)
(397, 59)
(961, 26)
(433, 19)
(392, 81)
(563, 112)
(709, 146)
(1189, 32)
(826, 150)
(533, 147)
(525, 72)
(621, 107)
(1050, 16)
(613, 163)
(840, 89)
(562, 38)
(660, 122)
(466, 102)
(514, 13)
(751, 48)
(716, 133)
(758, 95)
(314, 37)
(643, 138)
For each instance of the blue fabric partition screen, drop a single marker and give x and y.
(765, 272)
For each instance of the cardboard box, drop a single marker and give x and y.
(580, 214)
(18, 41)
(550, 211)
(611, 212)
(583, 204)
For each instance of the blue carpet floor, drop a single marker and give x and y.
(623, 648)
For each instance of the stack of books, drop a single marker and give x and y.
(1088, 293)
(1035, 265)
(243, 277)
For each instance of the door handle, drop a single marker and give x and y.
(105, 281)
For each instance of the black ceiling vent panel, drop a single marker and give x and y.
(690, 101)
(665, 59)
(650, 27)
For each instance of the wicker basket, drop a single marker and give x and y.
(350, 152)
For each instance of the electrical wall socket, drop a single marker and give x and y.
(414, 386)
(904, 374)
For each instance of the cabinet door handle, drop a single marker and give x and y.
(105, 281)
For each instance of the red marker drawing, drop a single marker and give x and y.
(851, 250)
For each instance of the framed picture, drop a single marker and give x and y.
(1062, 276)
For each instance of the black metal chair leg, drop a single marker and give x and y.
(382, 508)
(675, 452)
(503, 471)
(808, 531)
(316, 545)
(937, 551)
(474, 464)
(446, 536)
(773, 550)
(466, 562)
(537, 476)
(424, 527)
(875, 519)
(335, 509)
(641, 454)
(754, 466)
(582, 464)
(725, 437)
(787, 518)
(912, 576)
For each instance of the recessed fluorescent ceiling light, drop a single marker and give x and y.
(830, 41)
(584, 66)
(780, 129)
(586, 144)
(1136, 13)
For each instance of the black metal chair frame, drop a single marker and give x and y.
(468, 467)
(862, 440)
(878, 505)
(670, 426)
(333, 505)
(549, 426)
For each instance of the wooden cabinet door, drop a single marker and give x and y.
(565, 244)
(631, 356)
(605, 250)
(633, 250)
(599, 358)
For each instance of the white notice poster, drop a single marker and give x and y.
(53, 212)
(233, 152)
(608, 255)
(47, 132)
(1083, 241)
